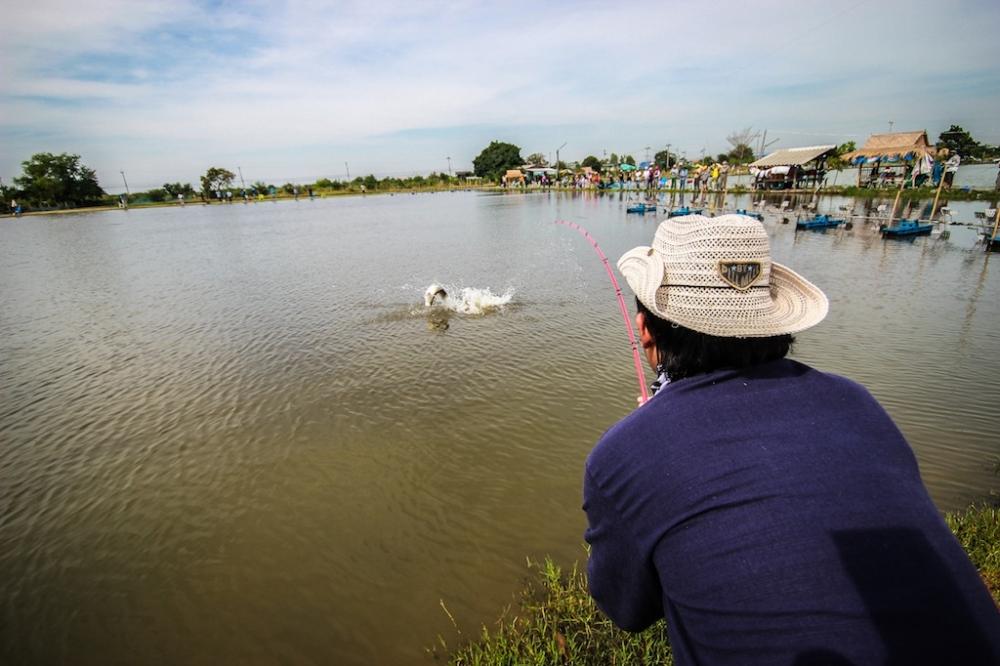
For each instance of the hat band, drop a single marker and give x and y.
(714, 286)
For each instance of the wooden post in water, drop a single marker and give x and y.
(899, 192)
(996, 226)
(937, 195)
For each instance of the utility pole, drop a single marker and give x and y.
(449, 166)
(668, 156)
(647, 154)
(891, 123)
(557, 157)
(127, 194)
(348, 170)
(242, 183)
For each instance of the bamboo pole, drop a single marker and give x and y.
(937, 195)
(899, 193)
(996, 227)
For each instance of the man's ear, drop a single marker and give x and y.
(645, 337)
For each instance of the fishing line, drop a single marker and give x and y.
(621, 302)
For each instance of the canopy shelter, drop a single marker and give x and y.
(536, 173)
(512, 176)
(886, 157)
(791, 168)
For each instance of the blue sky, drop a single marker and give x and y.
(291, 91)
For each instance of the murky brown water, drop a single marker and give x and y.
(235, 435)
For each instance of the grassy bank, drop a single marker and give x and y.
(555, 621)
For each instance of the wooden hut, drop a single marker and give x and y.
(512, 176)
(887, 158)
(792, 168)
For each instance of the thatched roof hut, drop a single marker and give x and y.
(513, 175)
(896, 145)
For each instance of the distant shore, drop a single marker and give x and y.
(955, 194)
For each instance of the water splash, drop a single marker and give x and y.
(469, 300)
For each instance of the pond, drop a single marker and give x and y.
(236, 433)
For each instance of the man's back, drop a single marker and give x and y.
(777, 515)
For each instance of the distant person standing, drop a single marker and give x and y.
(703, 176)
(950, 169)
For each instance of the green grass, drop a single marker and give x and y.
(555, 621)
(978, 530)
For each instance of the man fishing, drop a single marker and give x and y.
(772, 513)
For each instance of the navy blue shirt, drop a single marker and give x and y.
(776, 515)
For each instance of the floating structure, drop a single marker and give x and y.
(641, 208)
(684, 210)
(888, 159)
(819, 222)
(752, 213)
(791, 168)
(906, 228)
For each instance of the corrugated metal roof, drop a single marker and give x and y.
(792, 156)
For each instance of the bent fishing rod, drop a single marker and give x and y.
(621, 303)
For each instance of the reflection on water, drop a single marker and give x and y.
(238, 434)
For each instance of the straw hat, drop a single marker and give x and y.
(715, 276)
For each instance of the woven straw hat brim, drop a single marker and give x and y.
(795, 304)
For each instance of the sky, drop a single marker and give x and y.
(300, 90)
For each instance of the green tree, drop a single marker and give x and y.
(496, 158)
(58, 180)
(957, 140)
(592, 162)
(173, 189)
(537, 159)
(837, 161)
(370, 182)
(628, 159)
(613, 160)
(260, 187)
(216, 178)
(664, 159)
(741, 141)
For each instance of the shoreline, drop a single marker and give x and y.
(553, 619)
(957, 194)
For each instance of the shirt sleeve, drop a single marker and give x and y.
(622, 579)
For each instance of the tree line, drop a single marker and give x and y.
(51, 181)
(499, 157)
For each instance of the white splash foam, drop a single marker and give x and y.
(474, 301)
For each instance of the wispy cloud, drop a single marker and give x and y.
(298, 87)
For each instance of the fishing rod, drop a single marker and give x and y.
(621, 303)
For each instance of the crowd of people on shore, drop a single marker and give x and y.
(701, 178)
(714, 177)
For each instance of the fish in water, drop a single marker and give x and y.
(434, 294)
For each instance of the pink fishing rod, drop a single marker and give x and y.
(621, 303)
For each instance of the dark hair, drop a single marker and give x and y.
(684, 353)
